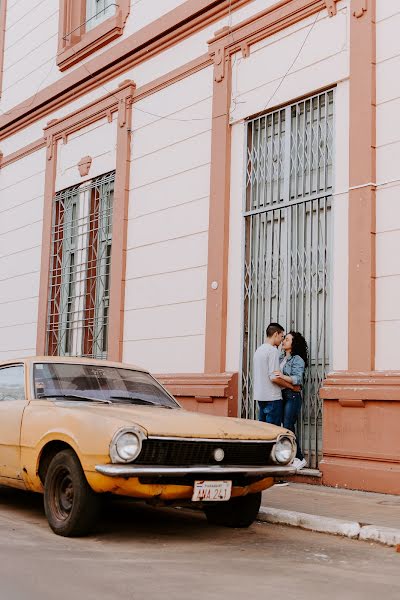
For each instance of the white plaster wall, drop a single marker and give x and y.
(27, 78)
(322, 61)
(144, 12)
(98, 140)
(236, 243)
(388, 188)
(21, 210)
(30, 51)
(166, 274)
(303, 58)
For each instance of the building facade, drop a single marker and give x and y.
(176, 174)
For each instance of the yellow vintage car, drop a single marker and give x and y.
(76, 429)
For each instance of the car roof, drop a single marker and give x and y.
(73, 360)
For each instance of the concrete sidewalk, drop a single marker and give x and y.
(358, 515)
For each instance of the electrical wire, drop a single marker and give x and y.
(26, 14)
(169, 118)
(19, 39)
(293, 62)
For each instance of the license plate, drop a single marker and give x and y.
(211, 491)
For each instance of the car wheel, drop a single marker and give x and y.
(70, 504)
(236, 512)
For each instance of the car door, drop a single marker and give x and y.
(12, 405)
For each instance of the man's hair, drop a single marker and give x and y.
(274, 328)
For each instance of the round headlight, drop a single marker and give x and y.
(284, 450)
(128, 446)
(125, 446)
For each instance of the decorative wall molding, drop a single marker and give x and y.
(125, 95)
(277, 17)
(84, 166)
(360, 7)
(180, 23)
(331, 7)
(362, 195)
(86, 115)
(218, 227)
(144, 91)
(218, 55)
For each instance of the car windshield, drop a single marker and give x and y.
(99, 382)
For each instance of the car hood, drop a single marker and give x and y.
(182, 423)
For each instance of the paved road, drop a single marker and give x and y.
(141, 552)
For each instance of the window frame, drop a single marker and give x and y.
(76, 41)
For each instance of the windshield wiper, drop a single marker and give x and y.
(77, 397)
(138, 400)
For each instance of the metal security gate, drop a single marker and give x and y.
(79, 291)
(287, 265)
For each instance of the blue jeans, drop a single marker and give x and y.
(271, 412)
(291, 411)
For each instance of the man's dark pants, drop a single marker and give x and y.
(271, 412)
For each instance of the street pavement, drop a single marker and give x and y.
(368, 508)
(359, 515)
(140, 552)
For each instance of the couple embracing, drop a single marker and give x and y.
(278, 380)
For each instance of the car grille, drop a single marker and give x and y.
(182, 453)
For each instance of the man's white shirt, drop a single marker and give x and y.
(265, 362)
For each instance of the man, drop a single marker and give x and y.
(267, 386)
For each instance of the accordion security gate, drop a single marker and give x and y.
(287, 220)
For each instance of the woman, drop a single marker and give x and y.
(293, 364)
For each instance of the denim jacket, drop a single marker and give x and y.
(294, 368)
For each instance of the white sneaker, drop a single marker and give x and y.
(299, 464)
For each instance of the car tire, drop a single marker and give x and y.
(236, 512)
(71, 506)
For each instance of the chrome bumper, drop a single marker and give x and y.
(113, 470)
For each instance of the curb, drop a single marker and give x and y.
(350, 529)
(385, 535)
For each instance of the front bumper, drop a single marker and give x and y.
(114, 470)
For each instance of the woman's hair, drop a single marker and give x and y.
(299, 346)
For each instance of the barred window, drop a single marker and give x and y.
(80, 260)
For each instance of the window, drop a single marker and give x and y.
(87, 25)
(80, 269)
(12, 383)
(98, 11)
